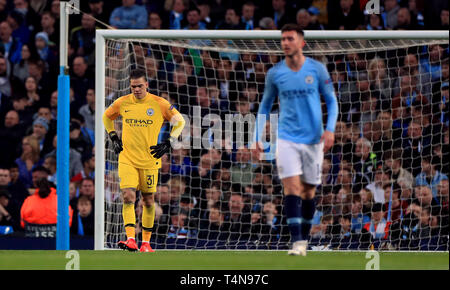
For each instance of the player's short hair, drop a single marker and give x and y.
(137, 74)
(293, 27)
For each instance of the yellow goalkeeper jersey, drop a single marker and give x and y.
(142, 120)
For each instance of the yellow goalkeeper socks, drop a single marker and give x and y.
(129, 219)
(148, 219)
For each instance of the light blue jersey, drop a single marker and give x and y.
(300, 118)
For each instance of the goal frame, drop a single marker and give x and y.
(103, 35)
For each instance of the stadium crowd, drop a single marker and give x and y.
(384, 181)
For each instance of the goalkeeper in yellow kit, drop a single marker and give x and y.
(143, 115)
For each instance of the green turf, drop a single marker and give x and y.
(221, 260)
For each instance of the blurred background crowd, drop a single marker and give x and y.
(384, 181)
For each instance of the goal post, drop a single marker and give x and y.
(243, 41)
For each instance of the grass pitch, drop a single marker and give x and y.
(220, 260)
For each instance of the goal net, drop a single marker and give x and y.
(384, 182)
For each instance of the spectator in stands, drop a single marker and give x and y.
(19, 29)
(346, 16)
(10, 138)
(237, 218)
(393, 162)
(46, 113)
(83, 218)
(78, 140)
(178, 225)
(416, 15)
(175, 16)
(181, 163)
(88, 171)
(10, 47)
(46, 82)
(55, 8)
(9, 213)
(10, 181)
(364, 160)
(442, 193)
(432, 65)
(204, 101)
(267, 23)
(280, 13)
(38, 173)
(405, 232)
(404, 21)
(81, 80)
(34, 99)
(265, 223)
(32, 19)
(75, 165)
(391, 8)
(427, 225)
(303, 19)
(382, 177)
(415, 146)
(412, 69)
(5, 83)
(241, 171)
(177, 187)
(20, 69)
(44, 49)
(154, 21)
(390, 137)
(358, 218)
(29, 159)
(88, 110)
(210, 196)
(444, 19)
(231, 21)
(378, 227)
(87, 134)
(424, 197)
(40, 209)
(322, 230)
(48, 23)
(375, 22)
(82, 38)
(152, 66)
(129, 16)
(40, 132)
(379, 78)
(248, 15)
(181, 91)
(50, 165)
(394, 207)
(314, 15)
(163, 200)
(212, 226)
(87, 188)
(97, 9)
(430, 176)
(193, 19)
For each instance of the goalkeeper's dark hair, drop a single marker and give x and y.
(293, 27)
(137, 74)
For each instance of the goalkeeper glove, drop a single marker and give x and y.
(117, 143)
(160, 149)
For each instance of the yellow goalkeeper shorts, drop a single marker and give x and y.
(144, 180)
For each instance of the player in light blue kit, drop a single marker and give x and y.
(299, 81)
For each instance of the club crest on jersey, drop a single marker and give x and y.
(309, 80)
(150, 112)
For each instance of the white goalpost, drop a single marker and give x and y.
(370, 70)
